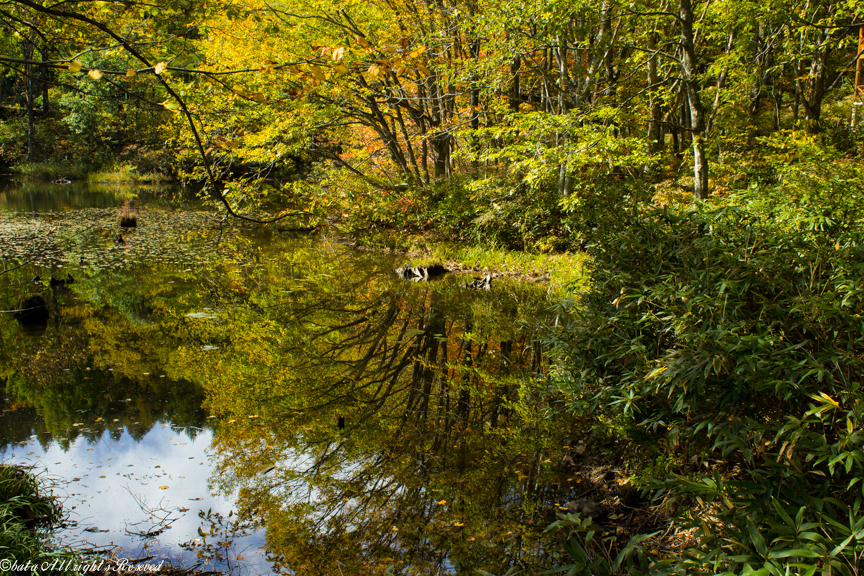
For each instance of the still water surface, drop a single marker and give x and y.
(255, 402)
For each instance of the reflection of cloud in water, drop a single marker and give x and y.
(164, 457)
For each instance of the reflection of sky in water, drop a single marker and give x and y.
(101, 484)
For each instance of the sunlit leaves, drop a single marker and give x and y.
(317, 74)
(95, 74)
(160, 67)
(75, 66)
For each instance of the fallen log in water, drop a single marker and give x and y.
(420, 273)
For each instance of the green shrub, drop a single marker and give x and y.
(28, 514)
(734, 337)
(23, 498)
(499, 212)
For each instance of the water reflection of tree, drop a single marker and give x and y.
(439, 466)
(94, 371)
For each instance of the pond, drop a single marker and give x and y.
(255, 402)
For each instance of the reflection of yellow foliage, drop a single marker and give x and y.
(427, 378)
(416, 375)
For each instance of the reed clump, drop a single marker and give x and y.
(128, 217)
(29, 513)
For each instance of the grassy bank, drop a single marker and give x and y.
(51, 171)
(560, 270)
(29, 513)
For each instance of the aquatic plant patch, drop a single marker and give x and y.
(90, 238)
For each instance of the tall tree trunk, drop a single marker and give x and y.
(584, 91)
(796, 104)
(692, 90)
(474, 51)
(409, 147)
(817, 89)
(655, 134)
(810, 87)
(44, 76)
(441, 146)
(563, 76)
(778, 103)
(29, 96)
(514, 95)
(565, 182)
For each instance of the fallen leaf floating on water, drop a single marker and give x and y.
(163, 487)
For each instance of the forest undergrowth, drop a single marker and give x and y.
(720, 345)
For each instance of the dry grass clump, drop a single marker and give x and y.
(128, 217)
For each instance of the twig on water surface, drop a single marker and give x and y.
(158, 524)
